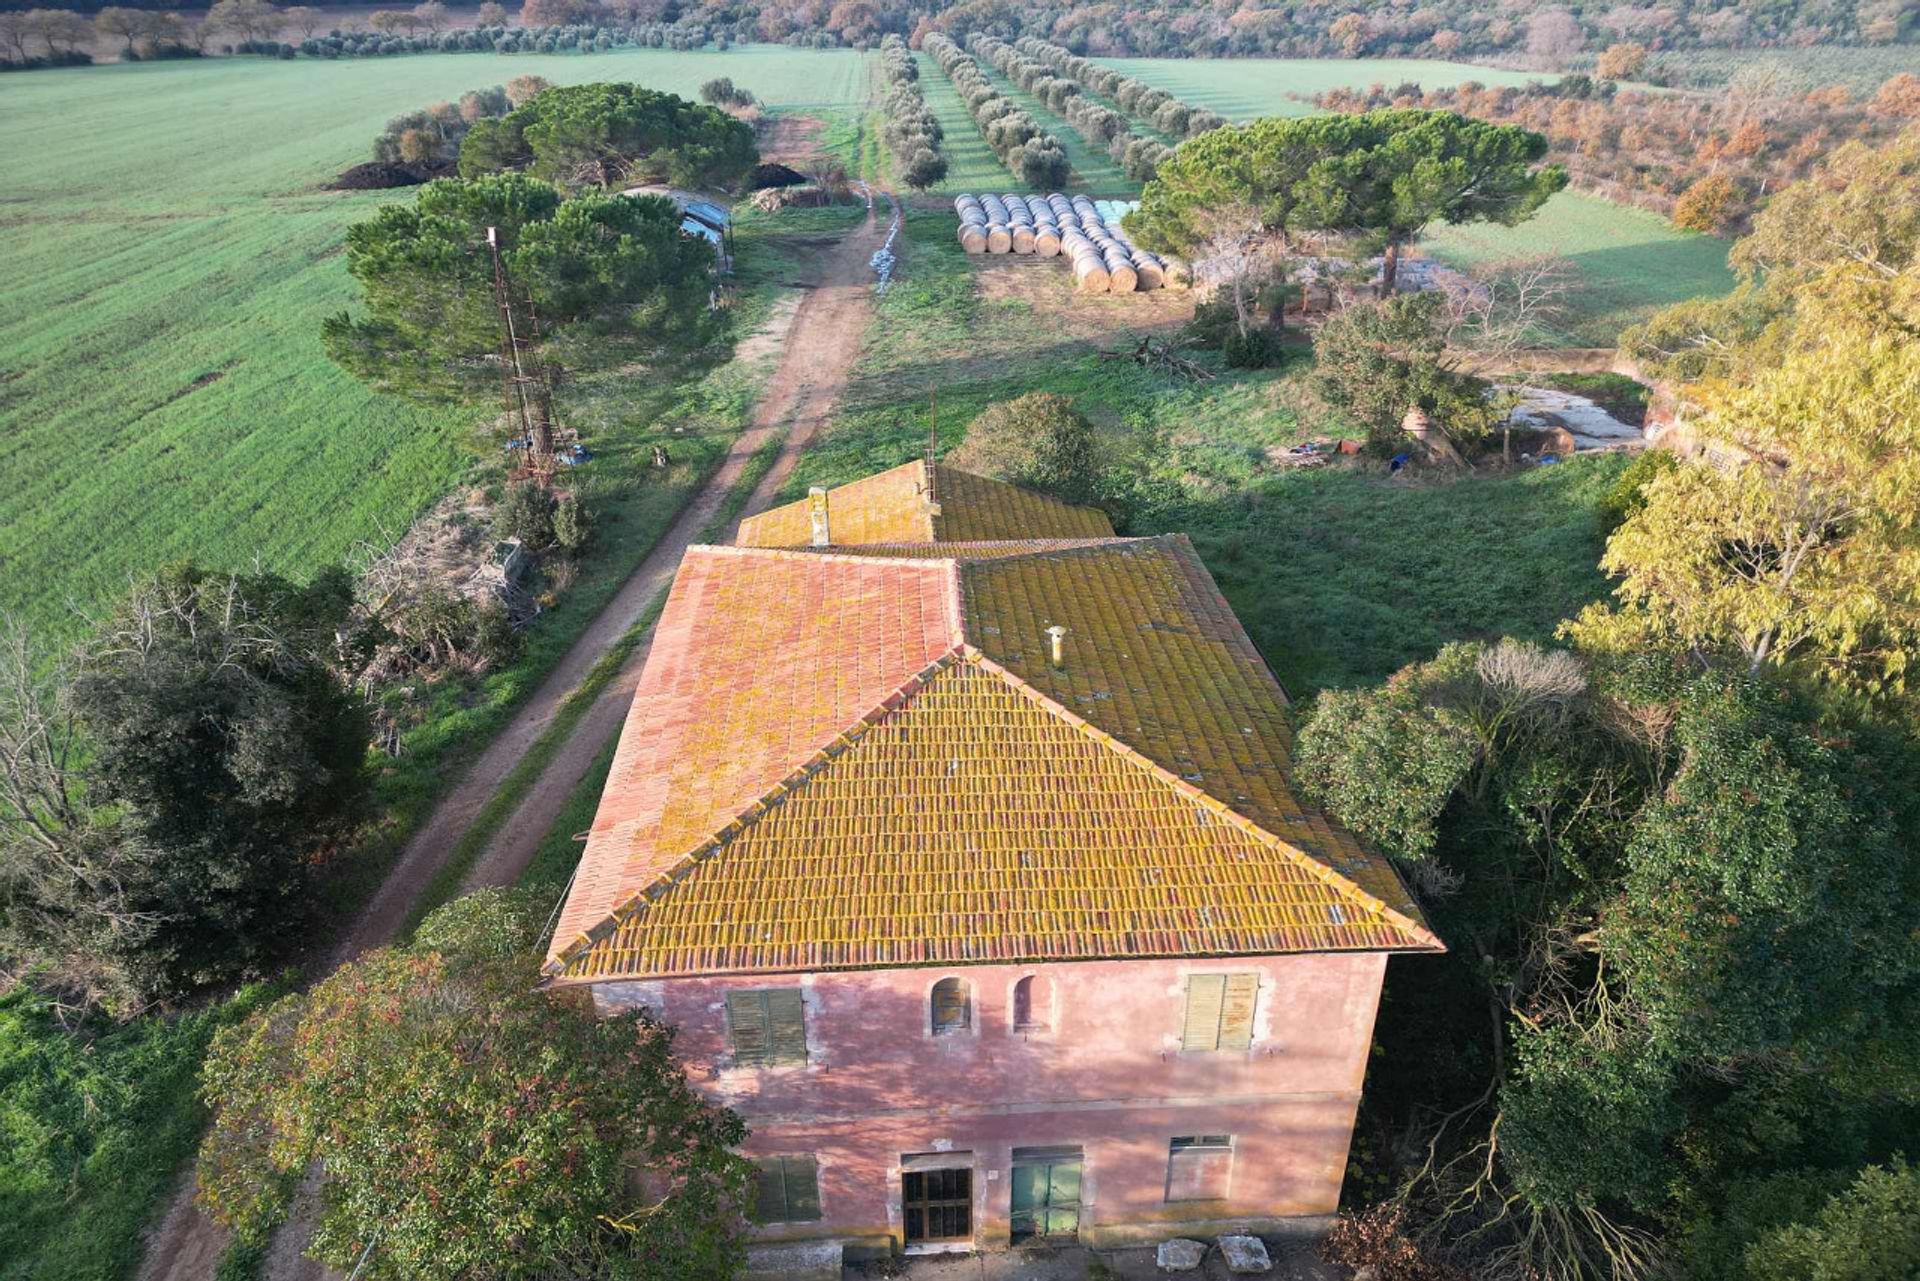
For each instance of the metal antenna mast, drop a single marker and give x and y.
(512, 344)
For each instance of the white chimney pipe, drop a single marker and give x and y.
(1058, 635)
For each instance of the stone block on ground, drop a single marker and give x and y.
(1180, 1255)
(1245, 1255)
(798, 1261)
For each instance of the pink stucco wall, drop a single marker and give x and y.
(1109, 1076)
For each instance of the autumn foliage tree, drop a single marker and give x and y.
(467, 1125)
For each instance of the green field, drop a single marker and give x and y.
(167, 259)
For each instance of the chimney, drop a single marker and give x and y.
(1058, 635)
(817, 511)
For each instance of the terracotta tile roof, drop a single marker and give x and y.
(843, 870)
(898, 506)
(845, 760)
(759, 661)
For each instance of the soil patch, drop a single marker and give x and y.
(1044, 286)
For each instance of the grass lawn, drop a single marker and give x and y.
(1341, 575)
(167, 261)
(97, 1126)
(1630, 262)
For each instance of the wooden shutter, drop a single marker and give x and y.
(950, 1006)
(768, 1026)
(770, 1194)
(803, 1188)
(788, 1190)
(747, 1021)
(786, 1026)
(1205, 995)
(1236, 1013)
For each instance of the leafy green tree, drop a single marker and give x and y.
(224, 753)
(1381, 178)
(594, 279)
(466, 1124)
(1376, 360)
(1868, 1232)
(1801, 549)
(1683, 895)
(608, 134)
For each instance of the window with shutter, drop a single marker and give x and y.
(768, 1026)
(788, 1190)
(1199, 1167)
(952, 1007)
(1219, 1011)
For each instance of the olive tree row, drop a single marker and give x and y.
(1153, 107)
(1100, 125)
(913, 132)
(1036, 158)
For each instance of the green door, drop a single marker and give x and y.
(1046, 1193)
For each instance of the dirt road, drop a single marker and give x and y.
(823, 336)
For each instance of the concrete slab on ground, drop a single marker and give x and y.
(1293, 1260)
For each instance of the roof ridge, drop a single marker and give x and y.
(558, 959)
(816, 555)
(1203, 798)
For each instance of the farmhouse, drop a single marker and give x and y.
(956, 836)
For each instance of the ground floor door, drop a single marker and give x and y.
(938, 1205)
(1046, 1193)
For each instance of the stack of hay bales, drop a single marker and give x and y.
(973, 224)
(1086, 233)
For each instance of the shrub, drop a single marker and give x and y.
(526, 512)
(1628, 493)
(1039, 440)
(572, 523)
(1710, 205)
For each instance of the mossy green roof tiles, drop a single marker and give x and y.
(846, 760)
(918, 503)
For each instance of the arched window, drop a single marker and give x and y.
(952, 1007)
(1032, 1004)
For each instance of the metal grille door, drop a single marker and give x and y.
(1046, 1192)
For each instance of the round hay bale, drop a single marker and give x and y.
(1046, 241)
(1121, 278)
(1023, 238)
(973, 239)
(960, 203)
(999, 239)
(977, 217)
(1149, 270)
(1089, 276)
(1179, 273)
